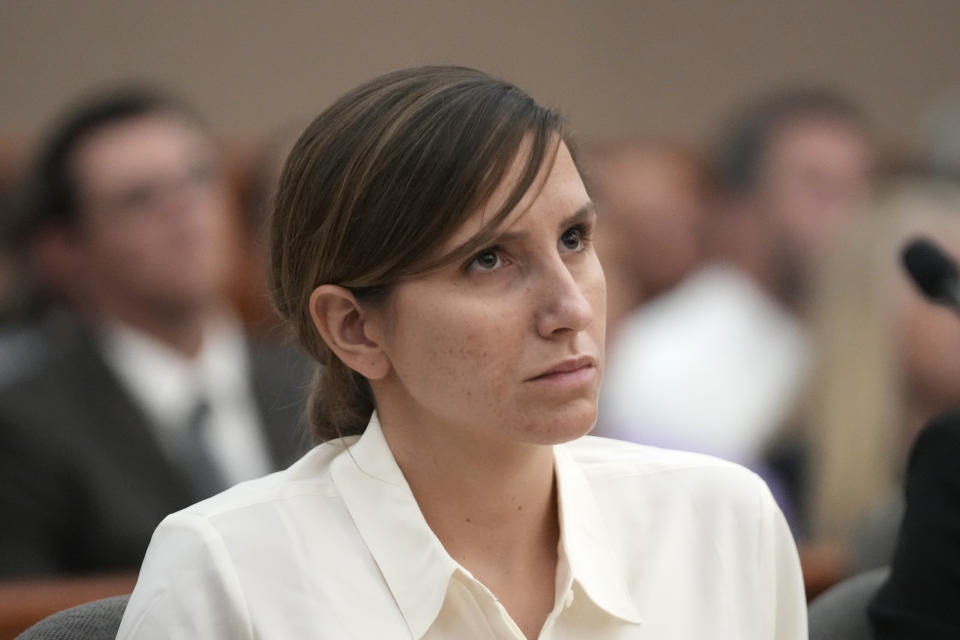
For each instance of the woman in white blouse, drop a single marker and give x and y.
(431, 246)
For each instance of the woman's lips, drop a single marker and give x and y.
(569, 373)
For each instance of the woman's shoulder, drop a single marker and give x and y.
(690, 522)
(644, 472)
(306, 479)
(598, 455)
(235, 547)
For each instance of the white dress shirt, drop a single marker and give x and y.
(654, 544)
(167, 385)
(714, 366)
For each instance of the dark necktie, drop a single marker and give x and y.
(195, 455)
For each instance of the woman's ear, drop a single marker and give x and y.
(341, 323)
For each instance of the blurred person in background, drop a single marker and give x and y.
(919, 597)
(6, 262)
(717, 364)
(886, 361)
(13, 344)
(653, 196)
(151, 397)
(9, 289)
(22, 342)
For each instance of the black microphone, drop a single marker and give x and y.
(933, 271)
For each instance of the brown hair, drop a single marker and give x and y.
(377, 183)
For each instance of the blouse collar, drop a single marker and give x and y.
(587, 543)
(413, 561)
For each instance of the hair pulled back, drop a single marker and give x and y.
(374, 186)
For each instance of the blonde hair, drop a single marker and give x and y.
(855, 407)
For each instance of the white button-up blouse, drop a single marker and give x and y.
(654, 544)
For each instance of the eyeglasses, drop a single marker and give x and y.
(149, 197)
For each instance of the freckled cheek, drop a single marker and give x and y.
(478, 363)
(459, 353)
(490, 357)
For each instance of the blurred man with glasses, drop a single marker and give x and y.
(150, 396)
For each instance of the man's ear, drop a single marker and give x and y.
(341, 323)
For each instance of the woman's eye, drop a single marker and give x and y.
(486, 260)
(571, 240)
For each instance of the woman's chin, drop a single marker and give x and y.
(561, 424)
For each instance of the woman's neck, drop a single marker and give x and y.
(493, 506)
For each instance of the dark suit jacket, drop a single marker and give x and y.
(921, 598)
(83, 483)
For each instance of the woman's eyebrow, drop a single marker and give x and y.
(582, 215)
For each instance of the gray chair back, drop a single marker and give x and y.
(840, 613)
(97, 620)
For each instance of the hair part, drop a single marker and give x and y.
(375, 186)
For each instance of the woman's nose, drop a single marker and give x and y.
(562, 305)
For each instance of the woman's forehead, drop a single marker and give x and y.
(557, 192)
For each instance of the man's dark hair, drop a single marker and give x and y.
(50, 192)
(739, 156)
